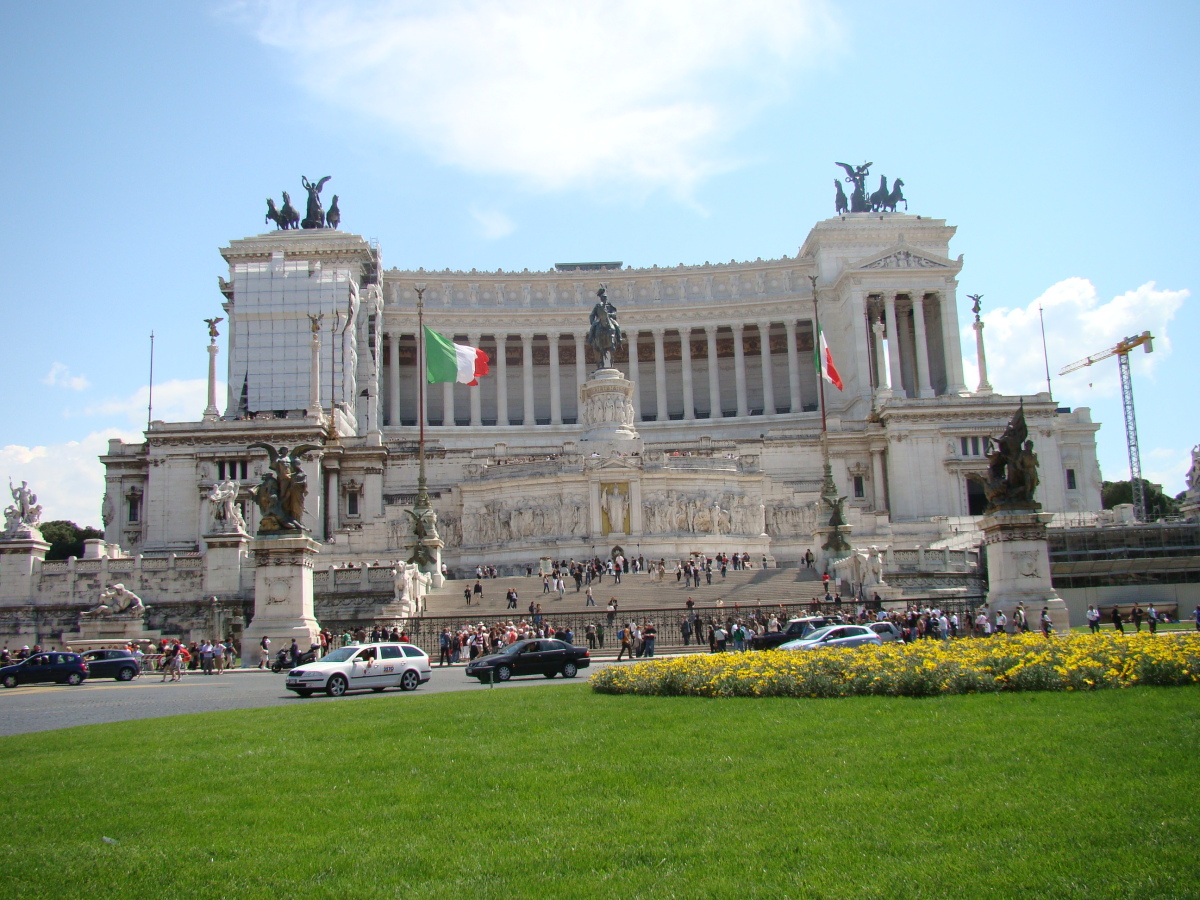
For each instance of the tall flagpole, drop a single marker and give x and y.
(828, 488)
(422, 491)
(150, 398)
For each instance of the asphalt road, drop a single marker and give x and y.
(48, 706)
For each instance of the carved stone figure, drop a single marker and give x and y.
(25, 514)
(116, 601)
(400, 581)
(107, 510)
(314, 216)
(212, 327)
(223, 503)
(1193, 475)
(614, 505)
(604, 336)
(857, 176)
(874, 570)
(280, 495)
(1011, 477)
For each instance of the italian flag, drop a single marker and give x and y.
(825, 365)
(447, 361)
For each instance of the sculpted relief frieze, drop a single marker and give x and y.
(500, 520)
(787, 520)
(677, 512)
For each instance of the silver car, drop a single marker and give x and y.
(835, 636)
(358, 666)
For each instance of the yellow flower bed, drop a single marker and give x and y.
(1027, 662)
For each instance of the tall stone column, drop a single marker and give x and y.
(685, 353)
(528, 417)
(332, 499)
(211, 413)
(893, 338)
(502, 379)
(985, 386)
(739, 370)
(448, 403)
(476, 402)
(555, 383)
(714, 373)
(793, 359)
(394, 379)
(882, 391)
(314, 385)
(635, 373)
(768, 375)
(924, 389)
(580, 370)
(951, 345)
(877, 476)
(660, 377)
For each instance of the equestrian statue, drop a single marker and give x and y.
(604, 337)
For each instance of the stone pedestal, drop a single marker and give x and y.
(224, 558)
(606, 413)
(283, 596)
(114, 630)
(1018, 560)
(18, 556)
(828, 535)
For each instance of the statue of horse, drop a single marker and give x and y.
(333, 218)
(880, 197)
(273, 215)
(895, 197)
(291, 218)
(840, 203)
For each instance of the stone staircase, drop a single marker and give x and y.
(745, 587)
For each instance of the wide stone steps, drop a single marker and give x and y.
(747, 588)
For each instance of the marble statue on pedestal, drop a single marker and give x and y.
(116, 600)
(281, 494)
(223, 504)
(24, 516)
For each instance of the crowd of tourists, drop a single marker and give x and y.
(471, 641)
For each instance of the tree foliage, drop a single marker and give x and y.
(1158, 504)
(66, 538)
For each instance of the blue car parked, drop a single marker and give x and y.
(63, 668)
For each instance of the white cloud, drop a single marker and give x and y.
(174, 401)
(60, 376)
(492, 223)
(556, 94)
(1077, 325)
(67, 478)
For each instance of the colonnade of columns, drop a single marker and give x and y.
(905, 367)
(697, 400)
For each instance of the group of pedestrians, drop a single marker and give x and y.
(1150, 615)
(469, 642)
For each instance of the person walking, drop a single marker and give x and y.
(1135, 616)
(1152, 619)
(590, 601)
(467, 595)
(649, 634)
(444, 648)
(264, 647)
(626, 637)
(1046, 622)
(1116, 620)
(477, 590)
(1093, 619)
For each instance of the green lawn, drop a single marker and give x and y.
(557, 792)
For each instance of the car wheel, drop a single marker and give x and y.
(409, 680)
(74, 679)
(126, 674)
(569, 670)
(503, 673)
(304, 692)
(10, 681)
(336, 686)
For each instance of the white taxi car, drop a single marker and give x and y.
(361, 666)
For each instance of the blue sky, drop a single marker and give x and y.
(140, 137)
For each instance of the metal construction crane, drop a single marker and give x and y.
(1121, 352)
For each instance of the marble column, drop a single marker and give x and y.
(768, 375)
(714, 374)
(877, 475)
(660, 377)
(951, 344)
(331, 498)
(893, 339)
(739, 370)
(448, 403)
(793, 359)
(501, 379)
(881, 390)
(474, 340)
(685, 353)
(528, 417)
(635, 374)
(985, 386)
(555, 383)
(580, 370)
(314, 385)
(923, 387)
(394, 379)
(211, 413)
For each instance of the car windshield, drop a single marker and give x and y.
(819, 633)
(340, 655)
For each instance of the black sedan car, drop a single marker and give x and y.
(119, 664)
(64, 668)
(544, 656)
